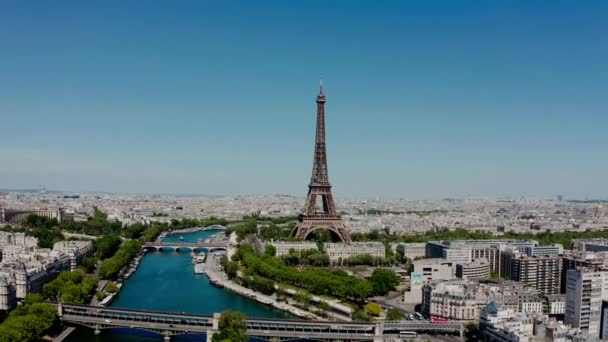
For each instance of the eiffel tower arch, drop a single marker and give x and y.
(320, 209)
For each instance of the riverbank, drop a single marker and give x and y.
(218, 278)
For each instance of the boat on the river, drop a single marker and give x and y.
(200, 258)
(199, 268)
(181, 238)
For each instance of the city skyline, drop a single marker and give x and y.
(462, 101)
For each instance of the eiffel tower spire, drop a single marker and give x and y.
(320, 210)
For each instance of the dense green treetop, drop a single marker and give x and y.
(106, 246)
(232, 328)
(316, 281)
(394, 314)
(383, 281)
(29, 322)
(71, 287)
(110, 267)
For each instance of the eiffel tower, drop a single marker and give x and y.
(323, 214)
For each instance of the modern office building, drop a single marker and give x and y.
(554, 249)
(585, 288)
(539, 272)
(590, 245)
(476, 269)
(411, 250)
(464, 251)
(581, 259)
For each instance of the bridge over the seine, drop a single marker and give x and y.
(169, 324)
(185, 245)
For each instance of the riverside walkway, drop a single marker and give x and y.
(168, 324)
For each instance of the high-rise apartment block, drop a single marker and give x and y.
(540, 272)
(585, 288)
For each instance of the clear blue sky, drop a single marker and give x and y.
(425, 99)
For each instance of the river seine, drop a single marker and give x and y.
(165, 281)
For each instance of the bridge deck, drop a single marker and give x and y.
(176, 323)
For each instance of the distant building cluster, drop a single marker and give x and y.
(541, 281)
(462, 299)
(495, 215)
(498, 323)
(24, 267)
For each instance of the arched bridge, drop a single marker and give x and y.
(169, 324)
(185, 245)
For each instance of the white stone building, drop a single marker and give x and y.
(7, 293)
(341, 251)
(462, 299)
(500, 324)
(283, 247)
(75, 250)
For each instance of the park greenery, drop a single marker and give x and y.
(49, 230)
(88, 264)
(110, 267)
(366, 259)
(98, 225)
(274, 232)
(361, 315)
(111, 287)
(29, 322)
(308, 257)
(373, 309)
(71, 287)
(106, 246)
(46, 236)
(394, 314)
(314, 280)
(232, 328)
(243, 229)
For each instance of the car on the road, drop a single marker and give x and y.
(108, 320)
